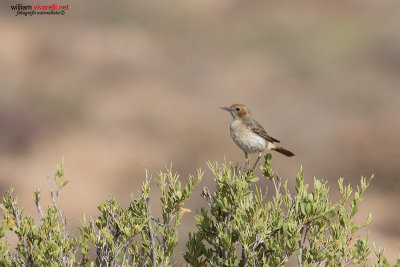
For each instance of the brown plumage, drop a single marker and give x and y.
(257, 128)
(250, 135)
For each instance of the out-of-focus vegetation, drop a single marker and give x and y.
(115, 86)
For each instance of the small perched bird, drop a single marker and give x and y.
(250, 135)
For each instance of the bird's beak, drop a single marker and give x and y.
(225, 108)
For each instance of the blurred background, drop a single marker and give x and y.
(116, 86)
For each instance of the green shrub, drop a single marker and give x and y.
(240, 227)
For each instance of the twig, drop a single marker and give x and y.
(56, 204)
(123, 247)
(153, 249)
(235, 169)
(277, 185)
(16, 214)
(17, 217)
(284, 260)
(245, 259)
(301, 244)
(123, 259)
(157, 221)
(37, 202)
(207, 195)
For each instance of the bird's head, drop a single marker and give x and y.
(238, 111)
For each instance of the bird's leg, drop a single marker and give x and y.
(247, 162)
(258, 158)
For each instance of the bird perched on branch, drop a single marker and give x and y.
(250, 135)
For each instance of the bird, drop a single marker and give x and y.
(250, 136)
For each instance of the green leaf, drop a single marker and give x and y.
(368, 221)
(317, 185)
(302, 208)
(308, 209)
(252, 179)
(268, 159)
(64, 183)
(354, 210)
(330, 214)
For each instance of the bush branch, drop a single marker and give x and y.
(56, 202)
(151, 233)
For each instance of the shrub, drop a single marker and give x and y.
(241, 227)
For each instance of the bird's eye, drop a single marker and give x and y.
(237, 109)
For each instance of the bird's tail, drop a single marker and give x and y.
(283, 151)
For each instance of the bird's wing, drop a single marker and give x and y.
(259, 129)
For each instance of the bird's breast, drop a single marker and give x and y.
(246, 139)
